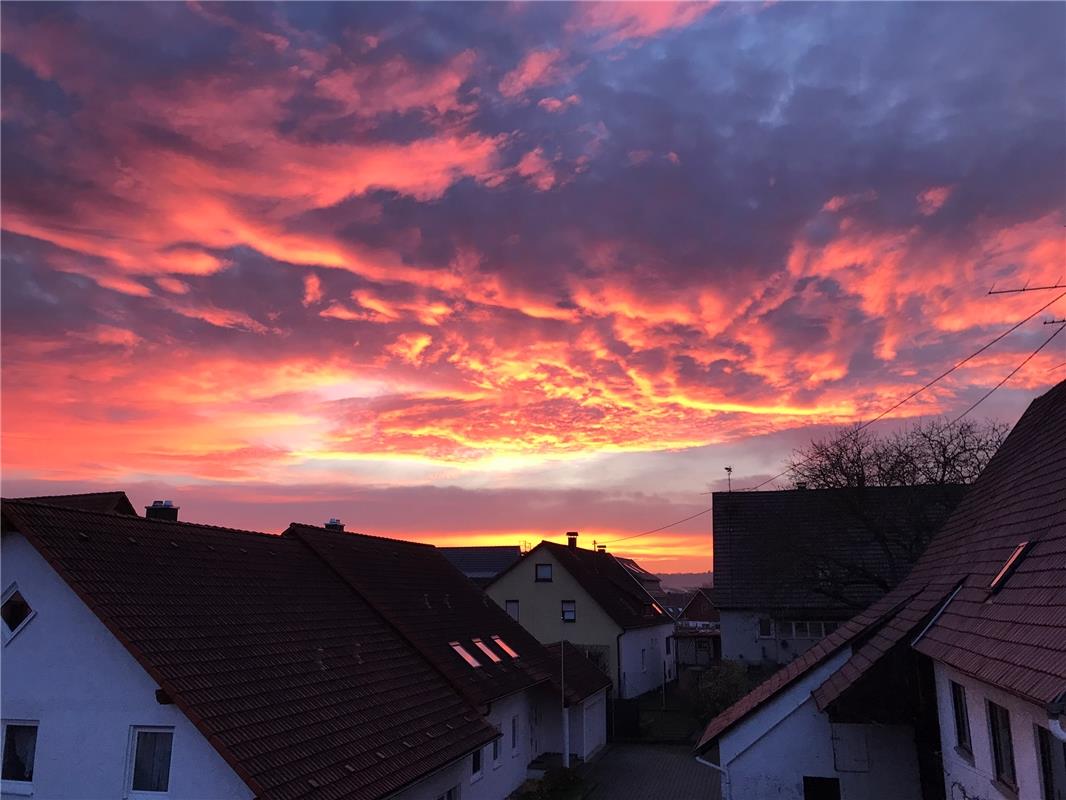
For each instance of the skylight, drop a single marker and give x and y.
(1006, 569)
(462, 651)
(504, 646)
(484, 648)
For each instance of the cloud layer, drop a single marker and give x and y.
(513, 246)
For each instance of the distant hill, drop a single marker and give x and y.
(680, 581)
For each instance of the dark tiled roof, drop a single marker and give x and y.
(297, 682)
(1014, 638)
(769, 546)
(583, 678)
(432, 604)
(609, 583)
(700, 607)
(482, 563)
(115, 502)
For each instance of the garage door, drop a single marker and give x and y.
(595, 726)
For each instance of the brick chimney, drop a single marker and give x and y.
(162, 509)
(334, 524)
(571, 539)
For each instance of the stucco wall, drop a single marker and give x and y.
(66, 671)
(636, 680)
(964, 778)
(768, 753)
(741, 642)
(540, 608)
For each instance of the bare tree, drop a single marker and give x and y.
(932, 452)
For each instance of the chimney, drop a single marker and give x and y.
(571, 539)
(601, 548)
(801, 485)
(334, 524)
(162, 509)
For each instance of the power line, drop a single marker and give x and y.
(1013, 372)
(892, 408)
(656, 530)
(1026, 288)
(918, 391)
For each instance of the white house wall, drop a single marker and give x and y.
(772, 749)
(635, 679)
(587, 719)
(67, 672)
(965, 779)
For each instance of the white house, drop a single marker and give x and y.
(954, 683)
(150, 658)
(593, 601)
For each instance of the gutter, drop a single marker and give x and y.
(1056, 709)
(727, 791)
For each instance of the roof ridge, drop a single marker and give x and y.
(358, 533)
(127, 517)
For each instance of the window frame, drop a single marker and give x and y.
(1045, 758)
(771, 627)
(563, 611)
(514, 736)
(536, 573)
(497, 752)
(998, 724)
(10, 786)
(479, 773)
(960, 714)
(643, 659)
(131, 762)
(10, 633)
(517, 609)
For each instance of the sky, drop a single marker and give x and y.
(483, 274)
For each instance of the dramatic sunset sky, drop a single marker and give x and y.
(485, 273)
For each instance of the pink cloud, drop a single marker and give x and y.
(537, 68)
(617, 22)
(554, 105)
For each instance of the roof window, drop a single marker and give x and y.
(504, 646)
(462, 651)
(484, 648)
(1008, 568)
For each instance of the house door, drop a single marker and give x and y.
(821, 788)
(534, 743)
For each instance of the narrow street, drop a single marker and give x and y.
(652, 772)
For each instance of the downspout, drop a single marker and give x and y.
(1055, 711)
(727, 790)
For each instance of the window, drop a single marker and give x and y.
(1006, 569)
(484, 648)
(20, 746)
(543, 573)
(150, 770)
(451, 794)
(643, 660)
(821, 788)
(962, 719)
(512, 609)
(668, 645)
(766, 628)
(505, 647)
(1046, 748)
(15, 611)
(569, 611)
(1002, 746)
(475, 766)
(495, 753)
(464, 654)
(801, 630)
(514, 735)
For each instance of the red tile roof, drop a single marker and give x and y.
(609, 583)
(425, 597)
(294, 678)
(116, 502)
(769, 547)
(1014, 638)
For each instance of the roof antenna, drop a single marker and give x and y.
(729, 477)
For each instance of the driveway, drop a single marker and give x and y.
(651, 772)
